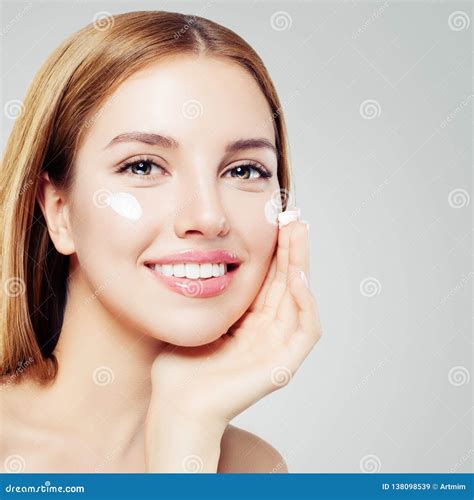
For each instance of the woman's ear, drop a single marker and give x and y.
(56, 213)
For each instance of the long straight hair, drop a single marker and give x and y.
(58, 109)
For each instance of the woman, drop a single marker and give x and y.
(150, 295)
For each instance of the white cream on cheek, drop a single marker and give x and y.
(272, 210)
(273, 207)
(125, 204)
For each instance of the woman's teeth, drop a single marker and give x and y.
(192, 270)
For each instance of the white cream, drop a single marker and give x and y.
(288, 216)
(125, 205)
(272, 210)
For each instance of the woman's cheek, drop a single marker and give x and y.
(258, 232)
(107, 231)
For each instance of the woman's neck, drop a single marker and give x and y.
(103, 386)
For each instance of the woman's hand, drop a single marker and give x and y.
(211, 384)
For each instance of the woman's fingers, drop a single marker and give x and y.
(287, 312)
(309, 330)
(278, 286)
(299, 254)
(259, 300)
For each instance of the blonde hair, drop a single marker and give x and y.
(59, 106)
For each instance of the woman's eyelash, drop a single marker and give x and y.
(263, 172)
(129, 164)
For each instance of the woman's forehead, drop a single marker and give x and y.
(196, 96)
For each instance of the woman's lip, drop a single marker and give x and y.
(198, 256)
(197, 288)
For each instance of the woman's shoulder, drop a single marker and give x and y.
(242, 451)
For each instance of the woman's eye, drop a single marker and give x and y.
(140, 167)
(245, 172)
(146, 168)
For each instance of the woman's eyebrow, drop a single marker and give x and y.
(168, 142)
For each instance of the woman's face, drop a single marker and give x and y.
(183, 193)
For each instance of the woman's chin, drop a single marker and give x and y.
(190, 335)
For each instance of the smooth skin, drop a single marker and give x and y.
(280, 329)
(274, 336)
(177, 374)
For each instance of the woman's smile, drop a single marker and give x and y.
(196, 273)
(197, 287)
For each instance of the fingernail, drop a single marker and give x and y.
(306, 223)
(303, 277)
(288, 216)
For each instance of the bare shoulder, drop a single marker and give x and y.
(242, 451)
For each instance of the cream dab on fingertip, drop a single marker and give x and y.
(284, 218)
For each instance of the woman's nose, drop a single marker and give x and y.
(199, 211)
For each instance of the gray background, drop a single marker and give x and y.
(378, 100)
